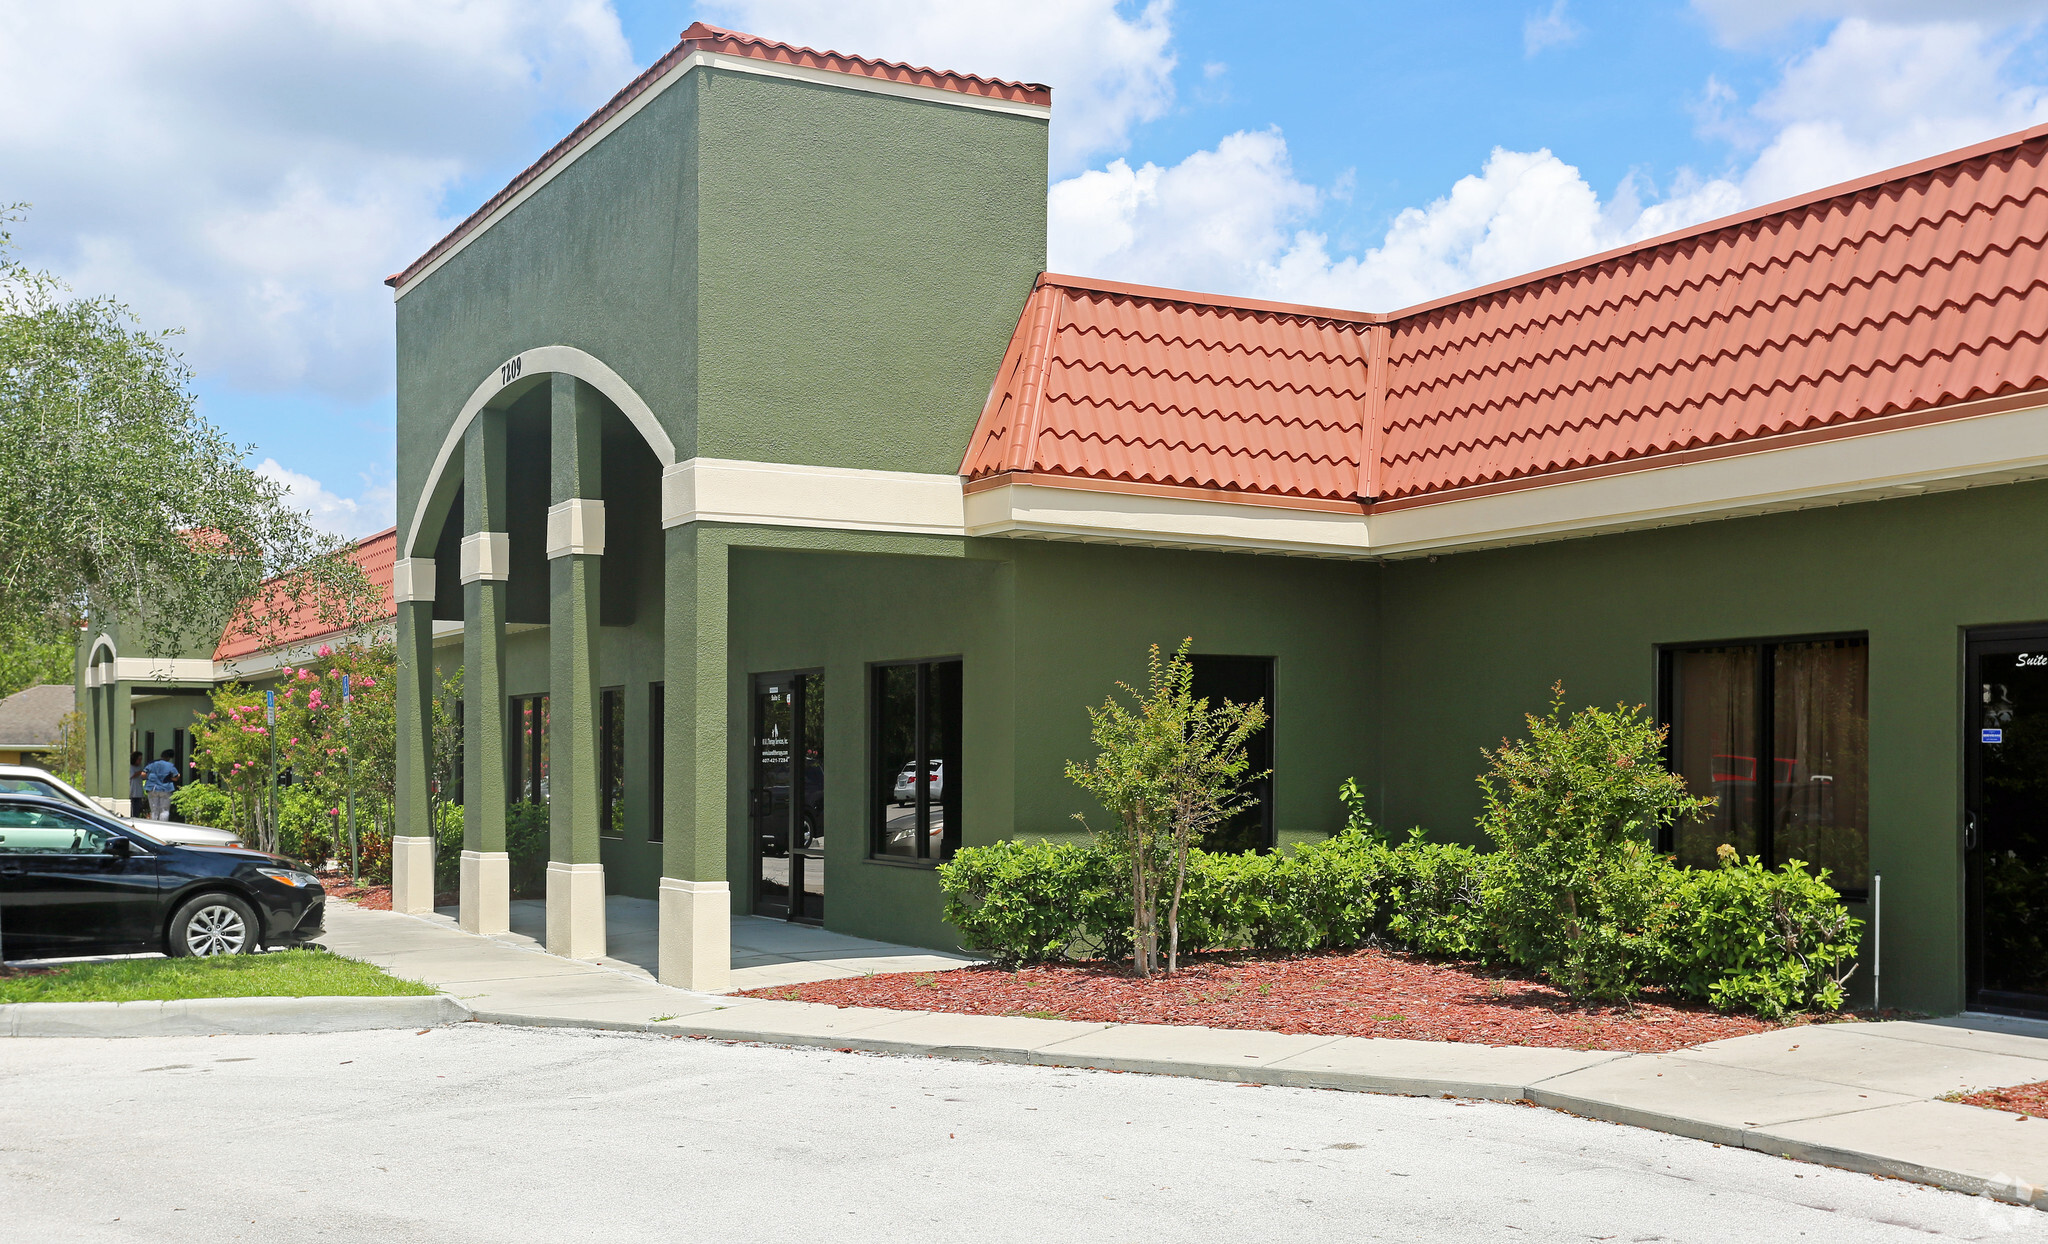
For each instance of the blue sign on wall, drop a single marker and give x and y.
(1991, 736)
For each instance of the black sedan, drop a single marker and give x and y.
(75, 883)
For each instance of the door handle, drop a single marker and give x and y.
(1969, 831)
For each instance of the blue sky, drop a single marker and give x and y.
(252, 172)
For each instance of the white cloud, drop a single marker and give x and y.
(1549, 29)
(252, 169)
(1874, 96)
(1236, 220)
(353, 517)
(1737, 21)
(1206, 221)
(1109, 72)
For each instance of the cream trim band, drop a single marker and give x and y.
(412, 579)
(775, 494)
(1995, 448)
(486, 557)
(156, 669)
(576, 529)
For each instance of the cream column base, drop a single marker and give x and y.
(696, 935)
(412, 875)
(486, 893)
(576, 927)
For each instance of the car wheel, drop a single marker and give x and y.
(213, 924)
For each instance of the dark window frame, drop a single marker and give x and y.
(881, 786)
(657, 756)
(1766, 731)
(611, 762)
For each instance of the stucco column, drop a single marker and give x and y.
(486, 564)
(121, 734)
(95, 735)
(576, 924)
(696, 901)
(412, 846)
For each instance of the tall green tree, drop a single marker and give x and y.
(118, 499)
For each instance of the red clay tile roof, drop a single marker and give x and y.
(1921, 287)
(375, 554)
(706, 38)
(1924, 286)
(1149, 386)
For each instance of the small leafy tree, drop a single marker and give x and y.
(1577, 892)
(316, 740)
(1169, 769)
(68, 761)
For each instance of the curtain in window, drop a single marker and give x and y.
(1714, 728)
(1821, 733)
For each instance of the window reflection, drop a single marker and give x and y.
(916, 722)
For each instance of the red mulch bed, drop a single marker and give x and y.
(1363, 993)
(374, 897)
(2025, 1100)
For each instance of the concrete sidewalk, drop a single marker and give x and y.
(1861, 1096)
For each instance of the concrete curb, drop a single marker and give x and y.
(205, 1017)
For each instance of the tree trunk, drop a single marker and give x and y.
(1180, 882)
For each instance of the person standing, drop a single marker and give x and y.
(160, 779)
(136, 778)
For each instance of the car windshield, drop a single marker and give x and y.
(31, 786)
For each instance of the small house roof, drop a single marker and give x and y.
(31, 719)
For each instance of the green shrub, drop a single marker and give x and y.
(1433, 896)
(1575, 892)
(526, 842)
(1030, 902)
(1744, 937)
(305, 826)
(202, 803)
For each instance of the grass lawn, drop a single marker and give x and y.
(284, 974)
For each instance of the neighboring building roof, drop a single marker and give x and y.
(706, 38)
(1149, 386)
(375, 554)
(1922, 287)
(31, 720)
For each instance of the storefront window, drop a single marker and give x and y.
(1243, 680)
(916, 781)
(1779, 734)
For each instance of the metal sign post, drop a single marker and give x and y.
(348, 766)
(270, 729)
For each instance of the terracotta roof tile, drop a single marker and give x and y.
(1920, 288)
(375, 554)
(1119, 382)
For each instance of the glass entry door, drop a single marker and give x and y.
(786, 795)
(2005, 835)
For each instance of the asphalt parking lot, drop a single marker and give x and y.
(477, 1132)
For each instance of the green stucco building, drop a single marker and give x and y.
(791, 515)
